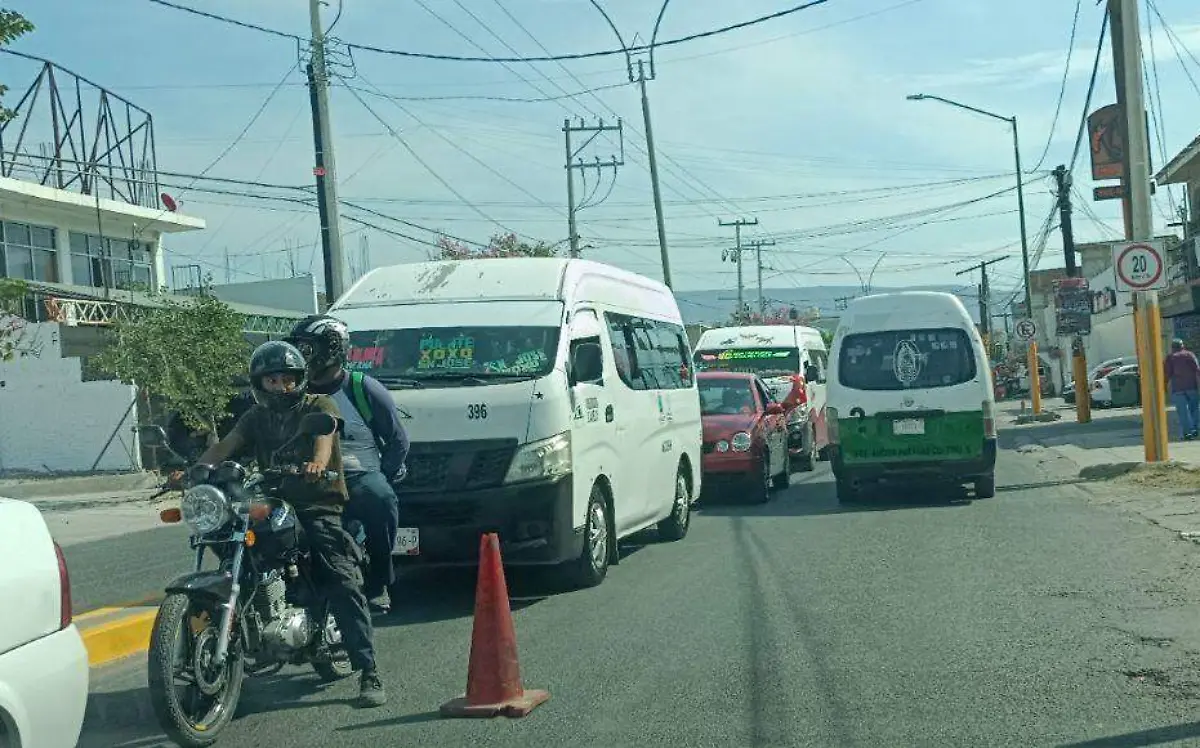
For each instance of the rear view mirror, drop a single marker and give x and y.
(318, 424)
(153, 436)
(587, 364)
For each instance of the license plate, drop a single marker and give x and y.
(408, 542)
(909, 427)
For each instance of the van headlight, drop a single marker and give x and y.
(740, 442)
(547, 458)
(205, 508)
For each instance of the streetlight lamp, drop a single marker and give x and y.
(1035, 384)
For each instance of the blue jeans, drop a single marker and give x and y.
(374, 504)
(1187, 405)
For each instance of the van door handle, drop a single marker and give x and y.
(608, 414)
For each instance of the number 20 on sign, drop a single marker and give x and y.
(1139, 266)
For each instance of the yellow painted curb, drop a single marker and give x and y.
(121, 637)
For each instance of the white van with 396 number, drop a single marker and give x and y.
(549, 400)
(779, 354)
(910, 394)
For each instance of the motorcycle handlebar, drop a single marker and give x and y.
(289, 470)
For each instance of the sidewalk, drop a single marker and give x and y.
(1106, 458)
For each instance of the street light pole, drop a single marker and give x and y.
(1033, 361)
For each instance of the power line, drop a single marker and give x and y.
(1062, 89)
(544, 58)
(1087, 104)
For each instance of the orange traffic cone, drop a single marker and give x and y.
(494, 675)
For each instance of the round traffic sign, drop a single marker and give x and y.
(1026, 329)
(1139, 267)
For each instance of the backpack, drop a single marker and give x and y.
(359, 398)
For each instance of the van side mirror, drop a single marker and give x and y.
(812, 374)
(587, 364)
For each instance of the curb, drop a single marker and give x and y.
(114, 633)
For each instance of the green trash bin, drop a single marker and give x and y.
(1126, 390)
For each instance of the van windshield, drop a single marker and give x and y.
(469, 351)
(906, 359)
(765, 362)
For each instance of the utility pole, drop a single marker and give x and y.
(653, 157)
(757, 245)
(737, 257)
(1126, 37)
(575, 163)
(985, 323)
(325, 168)
(1083, 401)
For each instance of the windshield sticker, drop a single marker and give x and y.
(364, 358)
(458, 353)
(743, 354)
(525, 363)
(907, 362)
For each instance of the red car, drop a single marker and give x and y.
(745, 434)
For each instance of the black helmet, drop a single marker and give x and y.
(278, 357)
(323, 340)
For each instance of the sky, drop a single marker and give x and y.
(800, 122)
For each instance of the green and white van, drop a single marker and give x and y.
(910, 395)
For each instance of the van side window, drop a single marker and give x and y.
(650, 354)
(624, 352)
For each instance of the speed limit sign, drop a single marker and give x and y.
(1139, 266)
(1026, 329)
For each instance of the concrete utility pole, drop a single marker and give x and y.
(1127, 49)
(737, 257)
(653, 158)
(325, 168)
(575, 163)
(757, 245)
(985, 322)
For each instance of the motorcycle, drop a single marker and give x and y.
(258, 611)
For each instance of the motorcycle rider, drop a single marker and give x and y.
(374, 444)
(279, 380)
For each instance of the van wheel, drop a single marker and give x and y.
(846, 492)
(591, 567)
(676, 525)
(807, 462)
(985, 486)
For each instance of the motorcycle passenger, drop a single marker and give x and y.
(279, 380)
(374, 444)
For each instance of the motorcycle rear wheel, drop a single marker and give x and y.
(337, 666)
(183, 641)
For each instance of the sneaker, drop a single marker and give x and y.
(379, 604)
(371, 692)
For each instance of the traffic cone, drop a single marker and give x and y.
(494, 674)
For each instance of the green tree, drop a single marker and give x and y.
(12, 292)
(186, 353)
(500, 245)
(12, 26)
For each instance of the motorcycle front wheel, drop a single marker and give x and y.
(193, 699)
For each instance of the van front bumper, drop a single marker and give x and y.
(957, 469)
(534, 522)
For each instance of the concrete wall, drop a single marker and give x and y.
(297, 294)
(55, 422)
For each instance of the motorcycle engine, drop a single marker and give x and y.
(283, 628)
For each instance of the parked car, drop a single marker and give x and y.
(43, 663)
(1102, 387)
(745, 434)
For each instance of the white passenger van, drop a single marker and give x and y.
(778, 354)
(910, 395)
(549, 400)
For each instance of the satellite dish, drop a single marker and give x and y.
(168, 202)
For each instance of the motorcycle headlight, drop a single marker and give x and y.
(740, 442)
(205, 508)
(547, 458)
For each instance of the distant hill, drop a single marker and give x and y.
(711, 306)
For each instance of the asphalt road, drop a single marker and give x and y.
(1031, 619)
